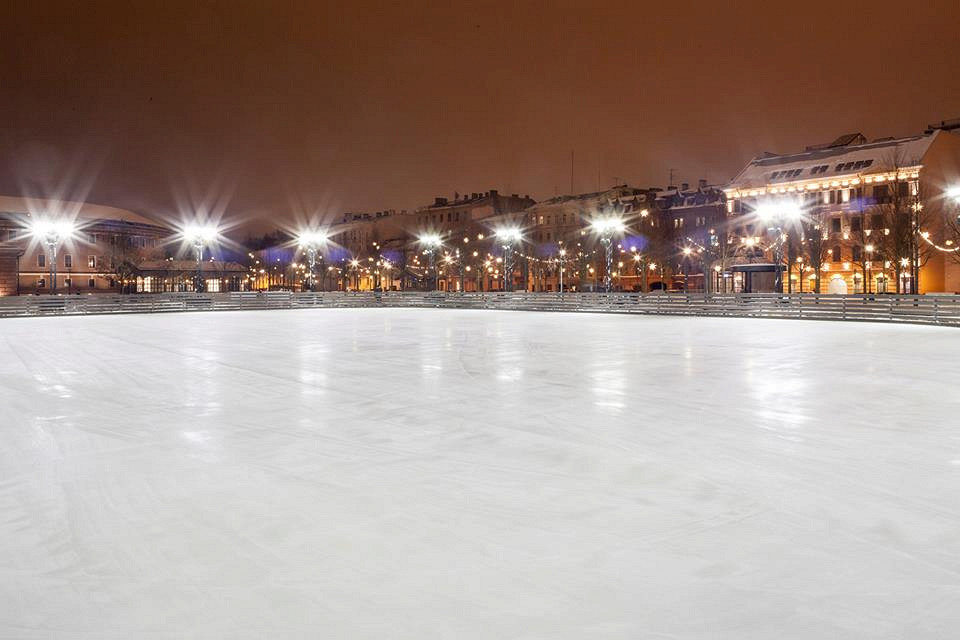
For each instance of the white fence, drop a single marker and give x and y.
(925, 309)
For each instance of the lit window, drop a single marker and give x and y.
(92, 262)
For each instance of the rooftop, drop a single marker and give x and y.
(848, 155)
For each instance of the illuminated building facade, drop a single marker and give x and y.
(103, 235)
(874, 215)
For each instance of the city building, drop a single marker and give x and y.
(88, 260)
(684, 236)
(557, 233)
(104, 250)
(851, 216)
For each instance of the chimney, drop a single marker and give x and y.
(493, 193)
(439, 202)
(684, 186)
(513, 195)
(703, 183)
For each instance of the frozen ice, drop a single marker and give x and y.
(391, 473)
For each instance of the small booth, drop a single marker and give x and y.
(755, 277)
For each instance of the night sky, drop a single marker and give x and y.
(275, 108)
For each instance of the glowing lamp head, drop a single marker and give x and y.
(607, 226)
(199, 233)
(430, 240)
(954, 192)
(310, 238)
(779, 211)
(52, 230)
(687, 251)
(509, 234)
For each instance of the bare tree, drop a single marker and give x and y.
(951, 228)
(121, 262)
(815, 249)
(892, 205)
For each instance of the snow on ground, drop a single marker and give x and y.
(477, 474)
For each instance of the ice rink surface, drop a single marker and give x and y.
(477, 474)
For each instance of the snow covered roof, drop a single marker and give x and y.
(834, 160)
(76, 210)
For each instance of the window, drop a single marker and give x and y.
(876, 221)
(67, 282)
(856, 224)
(835, 225)
(856, 253)
(12, 235)
(92, 262)
(68, 261)
(91, 283)
(41, 260)
(837, 254)
(41, 283)
(92, 238)
(881, 193)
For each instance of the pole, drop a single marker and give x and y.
(53, 266)
(198, 247)
(312, 259)
(607, 242)
(560, 261)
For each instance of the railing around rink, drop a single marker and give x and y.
(917, 309)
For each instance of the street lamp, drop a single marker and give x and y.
(563, 254)
(431, 242)
(52, 233)
(778, 214)
(607, 228)
(311, 241)
(508, 237)
(199, 236)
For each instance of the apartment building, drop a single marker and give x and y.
(871, 216)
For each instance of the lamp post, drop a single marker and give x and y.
(199, 236)
(508, 237)
(431, 242)
(563, 254)
(777, 214)
(607, 228)
(52, 233)
(687, 252)
(311, 241)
